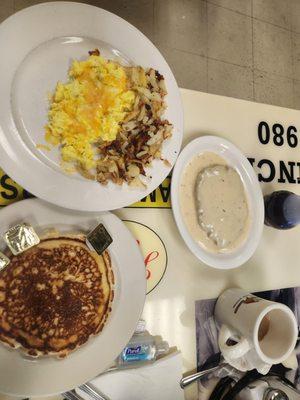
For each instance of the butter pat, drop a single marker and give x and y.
(98, 239)
(20, 238)
(4, 261)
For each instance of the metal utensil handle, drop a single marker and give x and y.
(91, 391)
(71, 395)
(187, 380)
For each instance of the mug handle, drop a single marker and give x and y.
(291, 362)
(235, 351)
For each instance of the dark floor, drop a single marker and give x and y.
(249, 49)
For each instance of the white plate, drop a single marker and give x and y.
(237, 160)
(21, 376)
(37, 45)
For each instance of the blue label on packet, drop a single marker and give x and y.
(136, 353)
(133, 350)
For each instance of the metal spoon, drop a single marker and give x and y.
(188, 380)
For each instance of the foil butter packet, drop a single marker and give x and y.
(20, 238)
(4, 261)
(98, 239)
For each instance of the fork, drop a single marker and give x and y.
(86, 388)
(71, 395)
(92, 392)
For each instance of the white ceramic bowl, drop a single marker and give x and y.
(233, 156)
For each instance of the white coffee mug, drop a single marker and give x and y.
(254, 333)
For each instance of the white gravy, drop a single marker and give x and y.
(213, 203)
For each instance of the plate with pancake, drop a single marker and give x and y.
(66, 312)
(90, 114)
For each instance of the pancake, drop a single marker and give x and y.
(55, 296)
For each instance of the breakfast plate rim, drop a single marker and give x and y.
(16, 158)
(20, 376)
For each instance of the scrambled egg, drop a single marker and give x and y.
(89, 107)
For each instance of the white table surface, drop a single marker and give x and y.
(169, 309)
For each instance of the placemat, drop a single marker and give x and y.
(268, 136)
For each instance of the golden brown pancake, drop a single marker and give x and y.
(55, 296)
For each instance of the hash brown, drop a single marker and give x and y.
(107, 121)
(55, 296)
